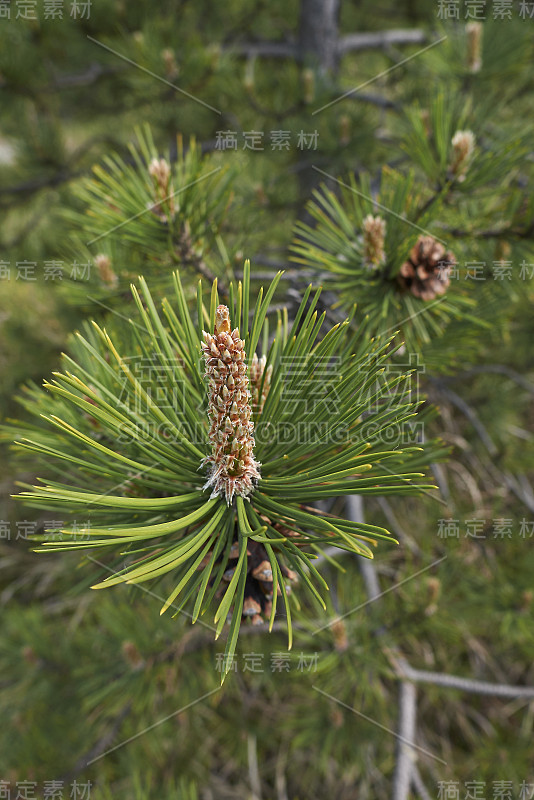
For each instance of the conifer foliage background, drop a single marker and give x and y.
(111, 167)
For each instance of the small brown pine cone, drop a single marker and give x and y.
(251, 607)
(426, 273)
(263, 572)
(257, 604)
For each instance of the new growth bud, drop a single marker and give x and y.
(160, 171)
(308, 83)
(258, 376)
(232, 468)
(474, 46)
(463, 143)
(169, 60)
(105, 271)
(374, 234)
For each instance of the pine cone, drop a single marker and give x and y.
(426, 273)
(257, 605)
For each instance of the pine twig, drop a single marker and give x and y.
(470, 413)
(418, 784)
(405, 764)
(253, 771)
(396, 527)
(404, 670)
(280, 776)
(368, 41)
(368, 573)
(265, 48)
(200, 266)
(405, 755)
(350, 43)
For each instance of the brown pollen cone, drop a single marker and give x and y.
(232, 468)
(426, 273)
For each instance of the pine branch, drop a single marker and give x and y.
(350, 43)
(353, 42)
(92, 74)
(407, 672)
(267, 49)
(253, 771)
(406, 756)
(406, 733)
(355, 513)
(280, 777)
(396, 527)
(149, 491)
(22, 190)
(469, 412)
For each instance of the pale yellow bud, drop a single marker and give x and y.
(463, 143)
(103, 265)
(160, 170)
(169, 60)
(308, 83)
(374, 234)
(474, 46)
